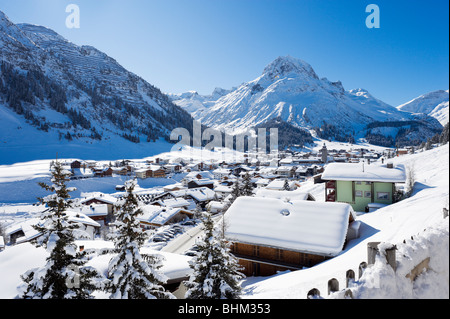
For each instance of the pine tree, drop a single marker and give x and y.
(247, 187)
(444, 137)
(216, 272)
(133, 276)
(64, 275)
(235, 192)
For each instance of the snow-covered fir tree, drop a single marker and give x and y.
(65, 275)
(133, 275)
(247, 186)
(235, 191)
(216, 272)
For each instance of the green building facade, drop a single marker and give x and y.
(361, 193)
(360, 185)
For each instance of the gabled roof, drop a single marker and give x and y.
(364, 172)
(157, 215)
(305, 226)
(100, 197)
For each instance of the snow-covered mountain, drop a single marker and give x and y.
(75, 93)
(289, 89)
(193, 102)
(434, 104)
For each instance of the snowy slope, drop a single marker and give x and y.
(434, 104)
(56, 95)
(419, 216)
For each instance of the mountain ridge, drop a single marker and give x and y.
(78, 93)
(289, 89)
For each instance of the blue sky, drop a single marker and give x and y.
(182, 45)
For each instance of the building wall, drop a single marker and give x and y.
(360, 194)
(344, 192)
(266, 261)
(386, 188)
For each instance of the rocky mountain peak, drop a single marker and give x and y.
(285, 65)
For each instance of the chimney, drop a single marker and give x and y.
(390, 165)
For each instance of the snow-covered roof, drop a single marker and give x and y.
(203, 181)
(200, 194)
(174, 202)
(100, 197)
(282, 194)
(225, 171)
(158, 215)
(278, 184)
(86, 172)
(92, 210)
(30, 232)
(364, 172)
(305, 226)
(223, 189)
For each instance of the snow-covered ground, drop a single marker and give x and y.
(419, 217)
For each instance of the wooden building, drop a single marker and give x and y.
(269, 234)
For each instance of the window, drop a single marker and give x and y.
(367, 194)
(279, 254)
(358, 193)
(256, 251)
(358, 183)
(368, 183)
(383, 195)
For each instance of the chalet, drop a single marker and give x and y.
(201, 196)
(172, 168)
(196, 183)
(279, 184)
(77, 164)
(262, 182)
(81, 173)
(173, 187)
(223, 191)
(101, 213)
(215, 207)
(153, 171)
(359, 184)
(157, 172)
(268, 235)
(103, 171)
(104, 199)
(120, 171)
(185, 204)
(220, 173)
(154, 216)
(141, 173)
(22, 232)
(242, 169)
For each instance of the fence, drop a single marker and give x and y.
(374, 250)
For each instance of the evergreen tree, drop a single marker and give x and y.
(444, 138)
(133, 276)
(247, 187)
(216, 272)
(63, 276)
(235, 192)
